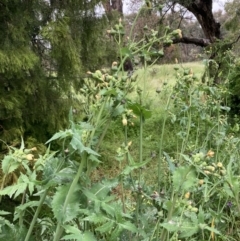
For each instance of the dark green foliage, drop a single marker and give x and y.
(44, 49)
(234, 87)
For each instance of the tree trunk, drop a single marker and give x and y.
(110, 5)
(202, 10)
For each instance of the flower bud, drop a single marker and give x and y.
(29, 157)
(219, 164)
(187, 195)
(210, 168)
(124, 121)
(210, 153)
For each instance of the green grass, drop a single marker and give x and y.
(154, 77)
(149, 80)
(158, 77)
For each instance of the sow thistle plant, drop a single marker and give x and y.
(60, 200)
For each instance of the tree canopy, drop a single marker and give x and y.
(46, 46)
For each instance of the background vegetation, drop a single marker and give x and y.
(108, 132)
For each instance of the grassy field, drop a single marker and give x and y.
(157, 77)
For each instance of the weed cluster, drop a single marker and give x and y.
(177, 177)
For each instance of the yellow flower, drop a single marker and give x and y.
(34, 149)
(201, 182)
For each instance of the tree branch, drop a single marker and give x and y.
(197, 41)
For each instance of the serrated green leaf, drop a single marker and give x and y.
(140, 110)
(78, 145)
(129, 168)
(23, 178)
(28, 204)
(72, 208)
(115, 233)
(9, 164)
(95, 218)
(201, 215)
(171, 165)
(170, 226)
(214, 230)
(106, 227)
(129, 226)
(184, 178)
(17, 189)
(21, 189)
(188, 229)
(4, 212)
(111, 92)
(118, 110)
(53, 175)
(125, 51)
(76, 234)
(108, 209)
(94, 158)
(100, 191)
(60, 135)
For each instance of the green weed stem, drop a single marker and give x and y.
(161, 144)
(170, 213)
(185, 141)
(42, 199)
(59, 229)
(83, 163)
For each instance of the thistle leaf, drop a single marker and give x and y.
(76, 234)
(184, 178)
(17, 189)
(9, 164)
(72, 208)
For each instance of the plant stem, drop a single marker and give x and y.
(139, 171)
(185, 141)
(83, 163)
(36, 215)
(103, 134)
(59, 229)
(161, 145)
(170, 212)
